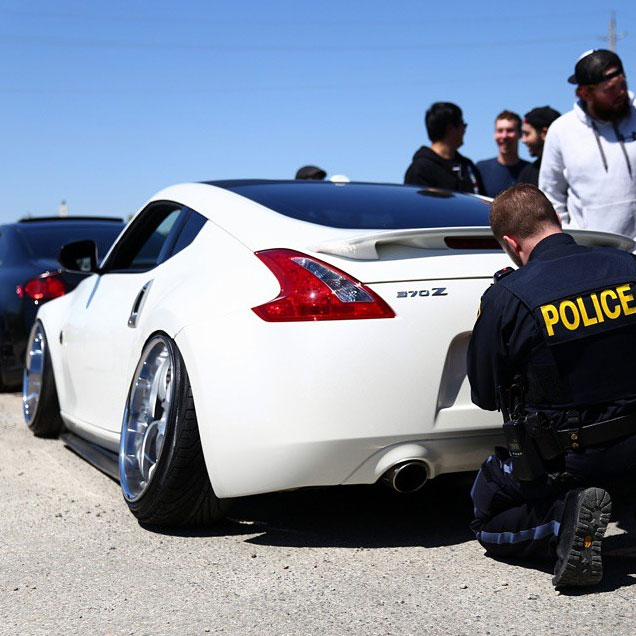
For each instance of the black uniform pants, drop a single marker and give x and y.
(524, 520)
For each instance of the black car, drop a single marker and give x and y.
(31, 275)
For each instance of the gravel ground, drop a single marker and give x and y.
(322, 561)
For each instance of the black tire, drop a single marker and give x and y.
(179, 492)
(42, 415)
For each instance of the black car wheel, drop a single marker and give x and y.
(161, 465)
(39, 394)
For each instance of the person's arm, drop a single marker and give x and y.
(416, 174)
(487, 361)
(552, 178)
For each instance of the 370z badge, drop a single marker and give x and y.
(434, 291)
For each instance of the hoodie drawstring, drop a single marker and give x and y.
(621, 139)
(600, 148)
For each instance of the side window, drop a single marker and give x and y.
(191, 227)
(149, 254)
(144, 244)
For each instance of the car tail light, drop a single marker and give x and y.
(313, 290)
(45, 287)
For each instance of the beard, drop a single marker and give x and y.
(613, 113)
(533, 150)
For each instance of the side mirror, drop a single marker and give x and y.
(79, 256)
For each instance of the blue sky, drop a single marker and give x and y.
(104, 103)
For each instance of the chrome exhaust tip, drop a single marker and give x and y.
(407, 476)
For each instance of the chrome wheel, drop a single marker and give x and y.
(147, 414)
(33, 373)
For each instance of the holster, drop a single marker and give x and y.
(527, 462)
(531, 438)
(540, 429)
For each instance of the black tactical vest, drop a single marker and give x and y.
(584, 307)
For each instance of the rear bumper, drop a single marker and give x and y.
(316, 405)
(15, 327)
(342, 462)
(12, 350)
(450, 455)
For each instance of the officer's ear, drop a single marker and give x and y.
(512, 244)
(513, 249)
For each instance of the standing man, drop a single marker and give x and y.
(589, 157)
(503, 171)
(553, 349)
(441, 166)
(533, 132)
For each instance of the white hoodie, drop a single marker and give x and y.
(588, 171)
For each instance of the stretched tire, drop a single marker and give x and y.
(39, 396)
(161, 465)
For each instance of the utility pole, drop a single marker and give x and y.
(612, 36)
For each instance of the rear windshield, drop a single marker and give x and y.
(366, 206)
(45, 241)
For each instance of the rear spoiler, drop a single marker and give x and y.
(365, 247)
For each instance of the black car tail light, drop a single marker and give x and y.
(44, 287)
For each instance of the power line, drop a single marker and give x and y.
(312, 19)
(92, 43)
(347, 84)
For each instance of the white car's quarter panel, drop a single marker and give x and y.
(381, 382)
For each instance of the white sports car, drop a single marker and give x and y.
(243, 337)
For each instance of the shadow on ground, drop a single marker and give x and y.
(375, 517)
(351, 516)
(361, 516)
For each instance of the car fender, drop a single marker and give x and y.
(53, 315)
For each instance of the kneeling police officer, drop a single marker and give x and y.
(553, 348)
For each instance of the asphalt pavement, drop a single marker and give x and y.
(351, 560)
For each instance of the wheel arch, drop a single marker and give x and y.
(166, 324)
(176, 488)
(51, 317)
(191, 362)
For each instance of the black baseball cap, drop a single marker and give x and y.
(541, 117)
(591, 66)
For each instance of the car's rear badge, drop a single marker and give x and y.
(434, 291)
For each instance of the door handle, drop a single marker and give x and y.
(138, 305)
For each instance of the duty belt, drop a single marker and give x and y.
(598, 433)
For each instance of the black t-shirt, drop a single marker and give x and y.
(429, 169)
(530, 174)
(498, 177)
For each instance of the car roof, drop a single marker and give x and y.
(249, 210)
(361, 205)
(24, 225)
(237, 184)
(70, 219)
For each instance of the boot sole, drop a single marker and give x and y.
(583, 565)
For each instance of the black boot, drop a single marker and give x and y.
(585, 518)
